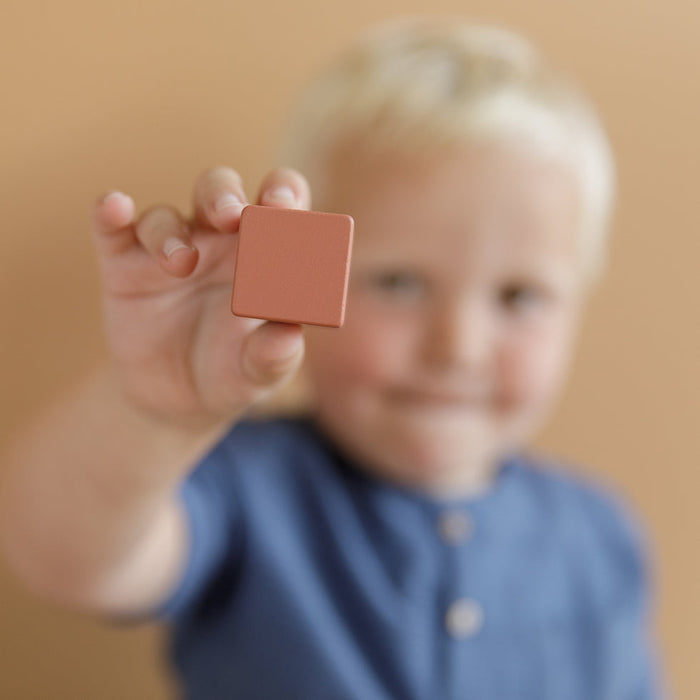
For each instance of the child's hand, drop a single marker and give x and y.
(178, 351)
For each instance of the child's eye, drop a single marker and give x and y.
(522, 297)
(399, 284)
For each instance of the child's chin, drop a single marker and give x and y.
(433, 467)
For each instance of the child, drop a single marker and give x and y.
(398, 540)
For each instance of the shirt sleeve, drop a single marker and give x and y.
(208, 498)
(629, 651)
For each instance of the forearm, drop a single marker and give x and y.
(87, 511)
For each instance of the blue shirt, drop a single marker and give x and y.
(309, 578)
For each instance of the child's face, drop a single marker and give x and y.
(464, 297)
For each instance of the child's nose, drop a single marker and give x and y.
(459, 335)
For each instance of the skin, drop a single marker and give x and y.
(180, 370)
(465, 296)
(178, 353)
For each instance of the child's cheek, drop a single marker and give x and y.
(533, 369)
(374, 352)
(374, 346)
(364, 353)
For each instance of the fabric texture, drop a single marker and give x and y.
(309, 578)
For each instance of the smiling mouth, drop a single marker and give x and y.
(437, 400)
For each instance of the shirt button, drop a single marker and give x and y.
(454, 526)
(464, 618)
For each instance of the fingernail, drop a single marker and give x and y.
(282, 194)
(229, 202)
(112, 195)
(171, 245)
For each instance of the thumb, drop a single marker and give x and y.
(272, 352)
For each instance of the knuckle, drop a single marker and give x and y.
(159, 212)
(158, 220)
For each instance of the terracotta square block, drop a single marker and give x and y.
(292, 265)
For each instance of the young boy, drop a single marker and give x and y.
(397, 541)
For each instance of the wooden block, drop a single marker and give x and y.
(292, 265)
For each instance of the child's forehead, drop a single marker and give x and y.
(465, 250)
(530, 208)
(497, 182)
(445, 215)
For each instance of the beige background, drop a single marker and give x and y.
(141, 96)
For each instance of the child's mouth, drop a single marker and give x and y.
(437, 400)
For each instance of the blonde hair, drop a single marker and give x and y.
(418, 84)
